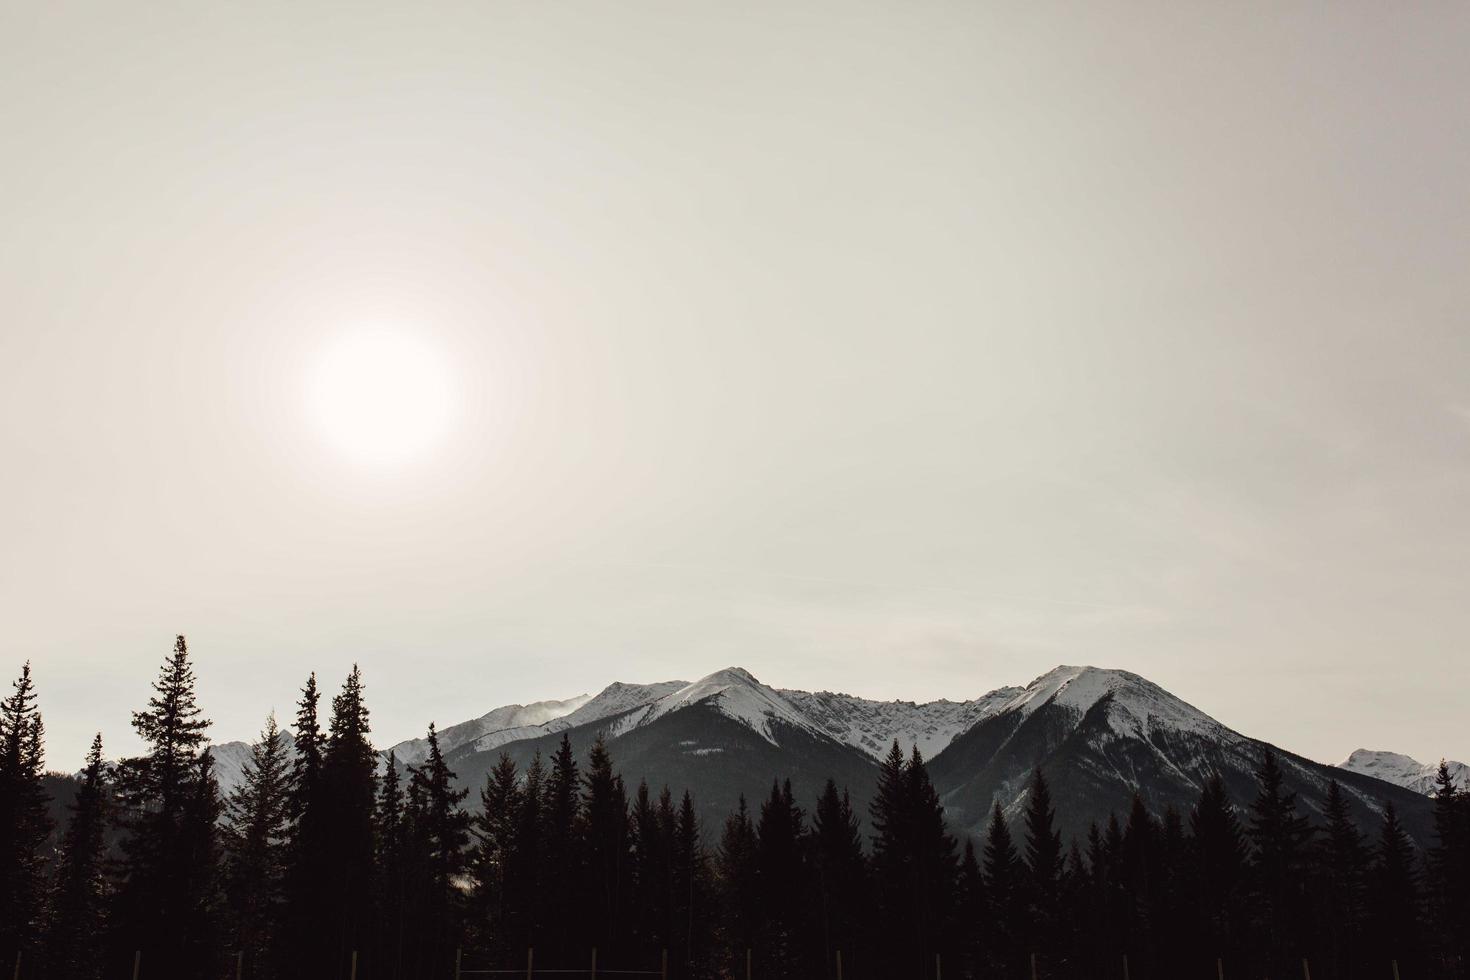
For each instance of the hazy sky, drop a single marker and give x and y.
(908, 349)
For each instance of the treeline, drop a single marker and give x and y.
(324, 861)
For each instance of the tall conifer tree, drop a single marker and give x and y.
(255, 841)
(24, 820)
(168, 855)
(79, 899)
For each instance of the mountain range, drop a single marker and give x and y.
(1100, 735)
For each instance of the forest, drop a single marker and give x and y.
(330, 862)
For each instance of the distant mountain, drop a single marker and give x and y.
(1402, 770)
(1103, 735)
(1100, 735)
(720, 737)
(511, 717)
(230, 759)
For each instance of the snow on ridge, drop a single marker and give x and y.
(735, 693)
(1137, 706)
(872, 726)
(508, 718)
(1401, 770)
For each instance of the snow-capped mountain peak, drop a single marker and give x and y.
(736, 694)
(1391, 767)
(1136, 705)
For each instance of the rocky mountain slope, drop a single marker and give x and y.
(1402, 770)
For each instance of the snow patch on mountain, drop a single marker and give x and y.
(873, 726)
(736, 694)
(1391, 767)
(509, 718)
(1135, 706)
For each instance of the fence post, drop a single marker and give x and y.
(663, 966)
(458, 961)
(16, 975)
(747, 963)
(1033, 966)
(239, 964)
(1395, 970)
(1219, 968)
(938, 968)
(1126, 975)
(137, 962)
(530, 961)
(839, 964)
(594, 963)
(354, 964)
(1306, 970)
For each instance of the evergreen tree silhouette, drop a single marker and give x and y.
(1449, 870)
(24, 821)
(652, 867)
(934, 864)
(1341, 875)
(693, 904)
(779, 869)
(1043, 871)
(1396, 900)
(1218, 867)
(348, 799)
(1280, 836)
(603, 829)
(736, 864)
(167, 853)
(79, 899)
(302, 944)
(496, 833)
(438, 834)
(255, 843)
(839, 919)
(971, 913)
(562, 924)
(1003, 892)
(391, 867)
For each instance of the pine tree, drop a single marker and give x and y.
(203, 918)
(24, 820)
(779, 876)
(1043, 869)
(1140, 878)
(1218, 863)
(349, 797)
(1003, 889)
(693, 902)
(1341, 872)
(496, 830)
(892, 818)
(441, 832)
(652, 866)
(1396, 899)
(935, 865)
(1280, 836)
(79, 899)
(970, 904)
(604, 834)
(562, 859)
(839, 876)
(301, 946)
(1449, 870)
(168, 852)
(255, 841)
(391, 869)
(739, 885)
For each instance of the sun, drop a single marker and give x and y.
(380, 397)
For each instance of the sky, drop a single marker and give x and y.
(909, 350)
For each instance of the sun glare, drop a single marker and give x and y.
(380, 397)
